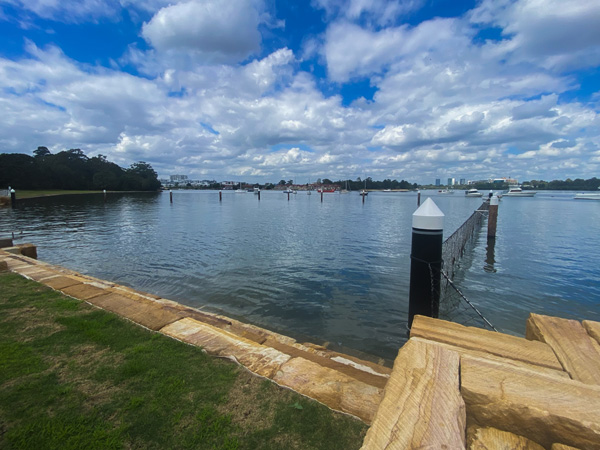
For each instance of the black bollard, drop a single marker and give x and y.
(171, 196)
(492, 218)
(321, 196)
(220, 196)
(13, 198)
(418, 198)
(426, 261)
(288, 196)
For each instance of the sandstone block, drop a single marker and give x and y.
(330, 387)
(264, 361)
(60, 282)
(3, 266)
(503, 345)
(493, 439)
(8, 242)
(144, 312)
(562, 447)
(83, 291)
(576, 350)
(592, 328)
(539, 407)
(422, 406)
(28, 250)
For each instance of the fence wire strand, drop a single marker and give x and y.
(454, 305)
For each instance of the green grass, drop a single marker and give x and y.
(72, 377)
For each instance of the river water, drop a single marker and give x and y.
(335, 271)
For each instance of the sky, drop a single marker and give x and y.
(263, 90)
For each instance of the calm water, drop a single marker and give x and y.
(333, 272)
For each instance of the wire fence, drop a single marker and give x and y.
(454, 305)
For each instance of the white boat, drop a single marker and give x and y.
(240, 190)
(588, 196)
(345, 190)
(446, 191)
(256, 190)
(473, 193)
(288, 191)
(516, 191)
(364, 191)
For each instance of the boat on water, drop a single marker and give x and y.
(588, 195)
(446, 191)
(473, 193)
(256, 190)
(326, 190)
(240, 190)
(345, 190)
(288, 191)
(516, 191)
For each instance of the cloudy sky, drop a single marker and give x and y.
(260, 90)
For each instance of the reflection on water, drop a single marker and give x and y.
(335, 271)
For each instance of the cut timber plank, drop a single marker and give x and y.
(264, 361)
(498, 344)
(578, 353)
(539, 407)
(493, 439)
(422, 406)
(330, 387)
(593, 329)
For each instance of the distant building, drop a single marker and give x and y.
(178, 178)
(438, 182)
(451, 181)
(463, 181)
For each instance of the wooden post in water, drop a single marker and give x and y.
(13, 198)
(288, 196)
(171, 196)
(321, 196)
(492, 218)
(220, 196)
(104, 192)
(426, 261)
(418, 198)
(259, 194)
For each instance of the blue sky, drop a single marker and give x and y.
(261, 90)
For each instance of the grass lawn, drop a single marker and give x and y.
(75, 377)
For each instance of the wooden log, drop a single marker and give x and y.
(503, 345)
(493, 439)
(539, 407)
(422, 406)
(578, 353)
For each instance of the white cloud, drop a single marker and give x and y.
(380, 12)
(69, 11)
(212, 30)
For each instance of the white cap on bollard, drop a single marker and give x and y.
(494, 201)
(428, 216)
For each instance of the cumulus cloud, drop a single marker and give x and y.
(214, 31)
(380, 12)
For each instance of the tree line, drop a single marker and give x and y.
(72, 169)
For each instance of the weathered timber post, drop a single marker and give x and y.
(171, 196)
(13, 198)
(220, 196)
(426, 261)
(492, 217)
(321, 196)
(418, 198)
(259, 194)
(288, 196)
